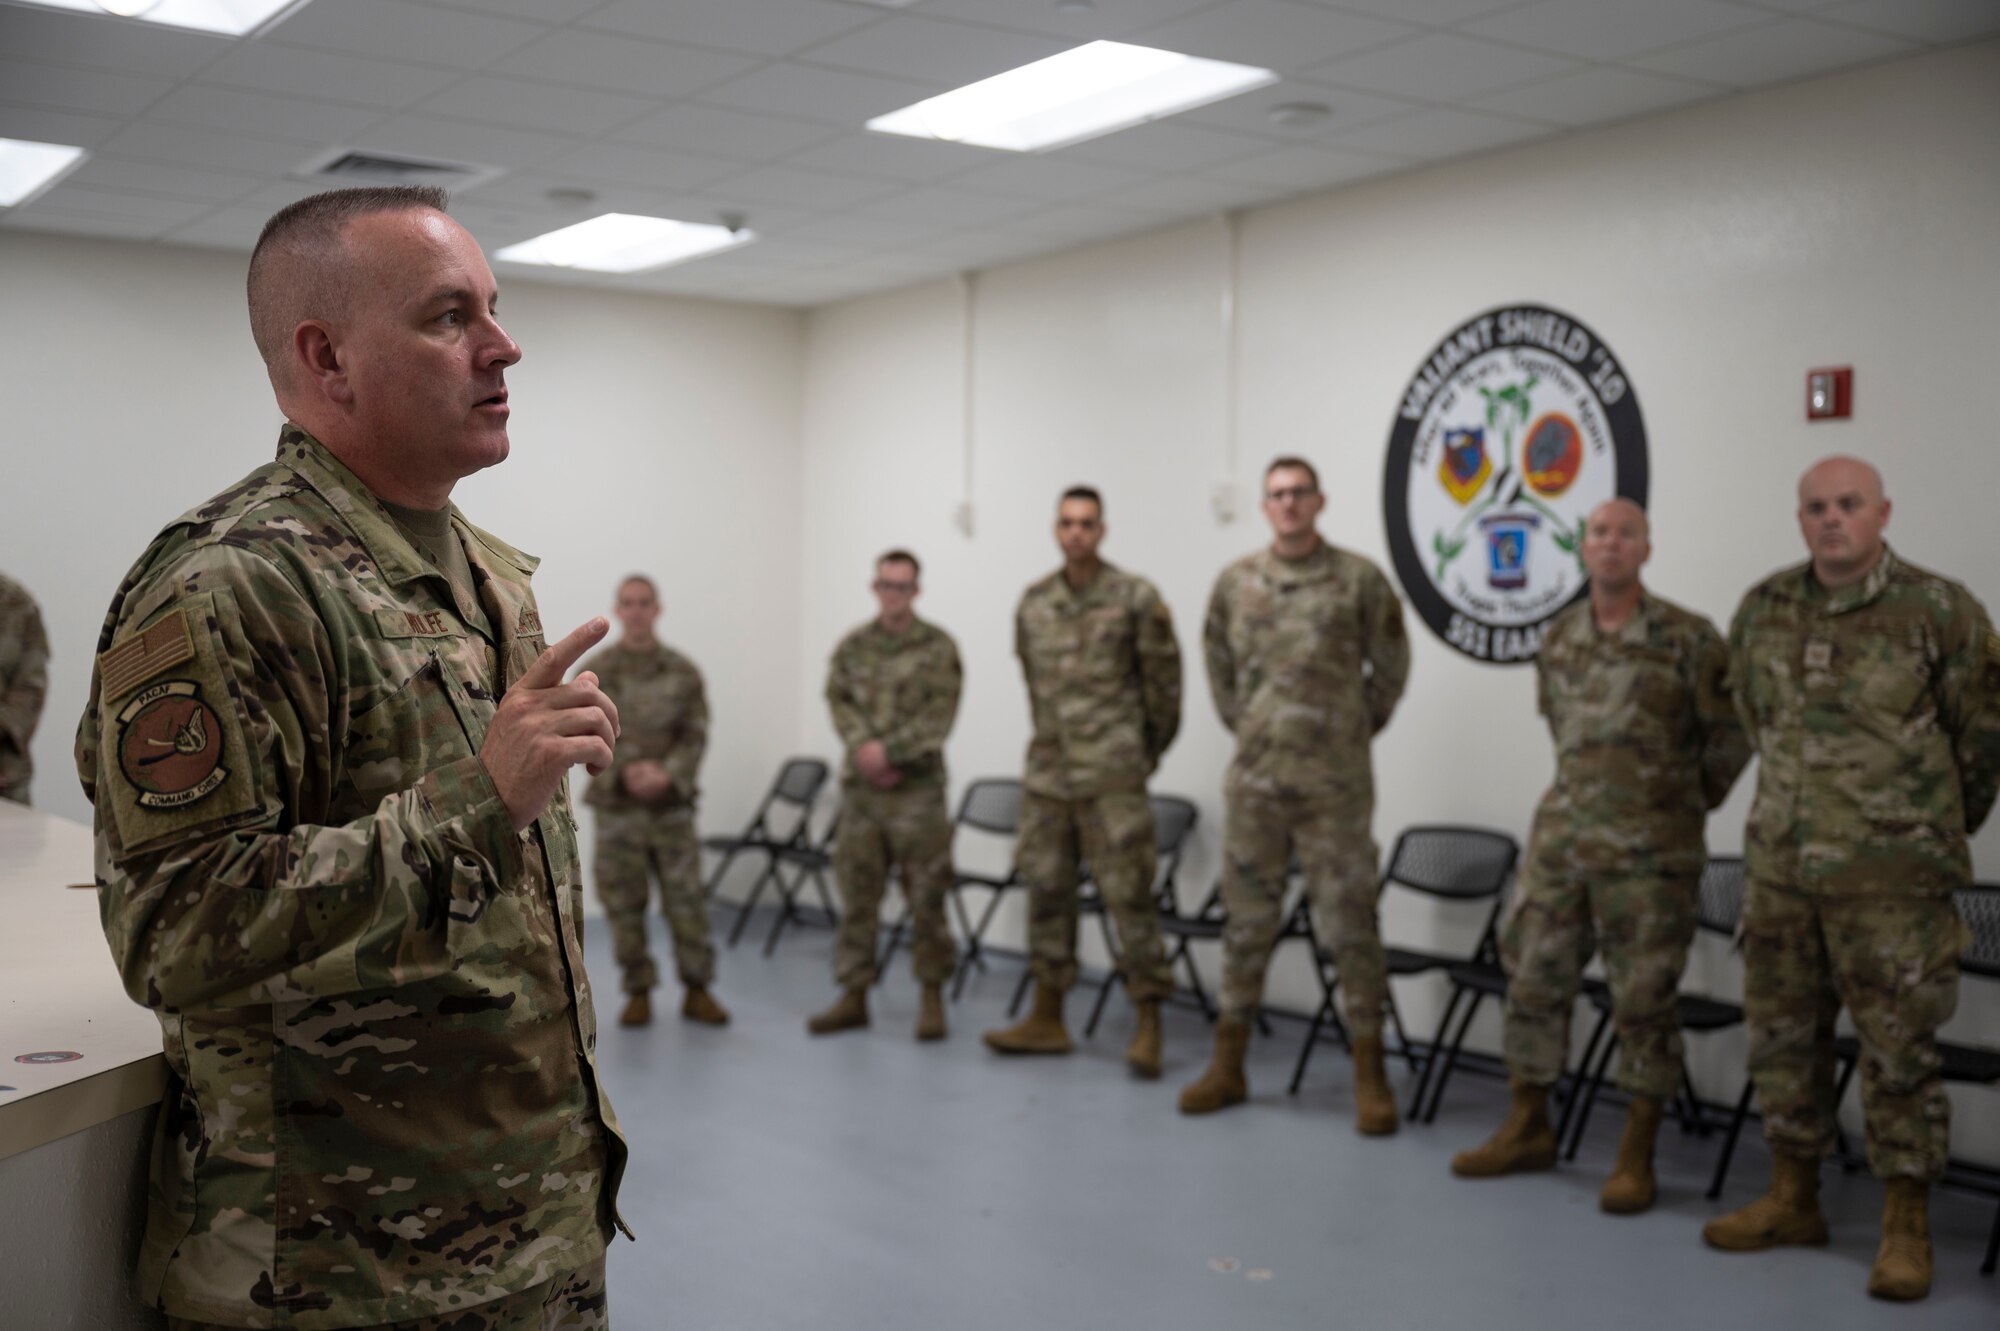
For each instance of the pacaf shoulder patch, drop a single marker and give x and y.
(174, 758)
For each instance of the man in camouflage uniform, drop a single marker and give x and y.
(1871, 688)
(893, 687)
(1635, 691)
(1306, 659)
(24, 683)
(1104, 685)
(327, 745)
(645, 809)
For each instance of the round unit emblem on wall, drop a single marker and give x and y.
(1516, 425)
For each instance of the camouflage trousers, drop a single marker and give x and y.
(1894, 962)
(909, 828)
(635, 846)
(1114, 833)
(1642, 924)
(574, 1302)
(1329, 834)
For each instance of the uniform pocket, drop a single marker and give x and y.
(415, 730)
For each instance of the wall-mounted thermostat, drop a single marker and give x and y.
(1830, 394)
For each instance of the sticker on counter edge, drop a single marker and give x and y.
(49, 1056)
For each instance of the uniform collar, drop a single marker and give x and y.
(1107, 573)
(1856, 594)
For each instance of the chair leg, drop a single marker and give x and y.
(974, 949)
(1313, 1029)
(788, 910)
(1431, 1056)
(1584, 1088)
(1402, 1036)
(1696, 1118)
(1848, 1163)
(1572, 1097)
(1020, 991)
(714, 883)
(1115, 979)
(1992, 1246)
(750, 902)
(1451, 1057)
(1736, 1121)
(825, 899)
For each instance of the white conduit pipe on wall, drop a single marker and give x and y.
(1223, 498)
(968, 282)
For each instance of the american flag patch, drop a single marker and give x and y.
(142, 655)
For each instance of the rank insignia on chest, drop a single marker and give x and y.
(1819, 654)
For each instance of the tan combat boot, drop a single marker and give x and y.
(1525, 1141)
(848, 1013)
(700, 1005)
(1903, 1263)
(1223, 1084)
(1631, 1188)
(638, 1009)
(1143, 1054)
(1786, 1215)
(930, 1014)
(1040, 1032)
(1375, 1113)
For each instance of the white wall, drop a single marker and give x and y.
(1720, 251)
(648, 434)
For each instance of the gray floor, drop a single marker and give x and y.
(866, 1182)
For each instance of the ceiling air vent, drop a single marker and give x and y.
(353, 166)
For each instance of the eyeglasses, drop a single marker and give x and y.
(884, 585)
(1300, 493)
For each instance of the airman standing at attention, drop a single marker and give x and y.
(1104, 684)
(893, 687)
(645, 804)
(1635, 691)
(1306, 659)
(1871, 688)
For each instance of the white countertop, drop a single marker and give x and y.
(60, 993)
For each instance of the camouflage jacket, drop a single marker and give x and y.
(662, 715)
(1647, 741)
(385, 1100)
(1306, 659)
(1104, 682)
(1875, 709)
(900, 688)
(24, 683)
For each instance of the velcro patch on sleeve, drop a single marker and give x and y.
(174, 757)
(138, 657)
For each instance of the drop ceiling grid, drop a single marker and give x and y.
(697, 108)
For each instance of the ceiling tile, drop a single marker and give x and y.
(947, 207)
(295, 118)
(1251, 113)
(1308, 168)
(1592, 96)
(934, 50)
(1612, 29)
(893, 157)
(1277, 34)
(1083, 221)
(1441, 133)
(761, 27)
(614, 163)
(1167, 145)
(223, 229)
(205, 147)
(67, 197)
(829, 95)
(1433, 13)
(40, 125)
(495, 99)
(1442, 67)
(1048, 178)
(804, 189)
(392, 29)
(723, 133)
(1787, 49)
(623, 63)
(93, 91)
(541, 11)
(1189, 196)
(178, 181)
(1104, 18)
(326, 75)
(95, 42)
(879, 233)
(68, 222)
(1928, 20)
(463, 141)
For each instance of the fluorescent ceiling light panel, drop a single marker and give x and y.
(1084, 92)
(230, 17)
(625, 243)
(27, 168)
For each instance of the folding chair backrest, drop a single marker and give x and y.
(1462, 863)
(1979, 907)
(799, 781)
(992, 804)
(1721, 902)
(1173, 819)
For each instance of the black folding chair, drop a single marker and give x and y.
(810, 864)
(1968, 1065)
(1719, 906)
(1451, 863)
(789, 804)
(991, 805)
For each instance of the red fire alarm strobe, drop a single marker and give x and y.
(1830, 394)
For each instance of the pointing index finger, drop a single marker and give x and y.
(550, 667)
